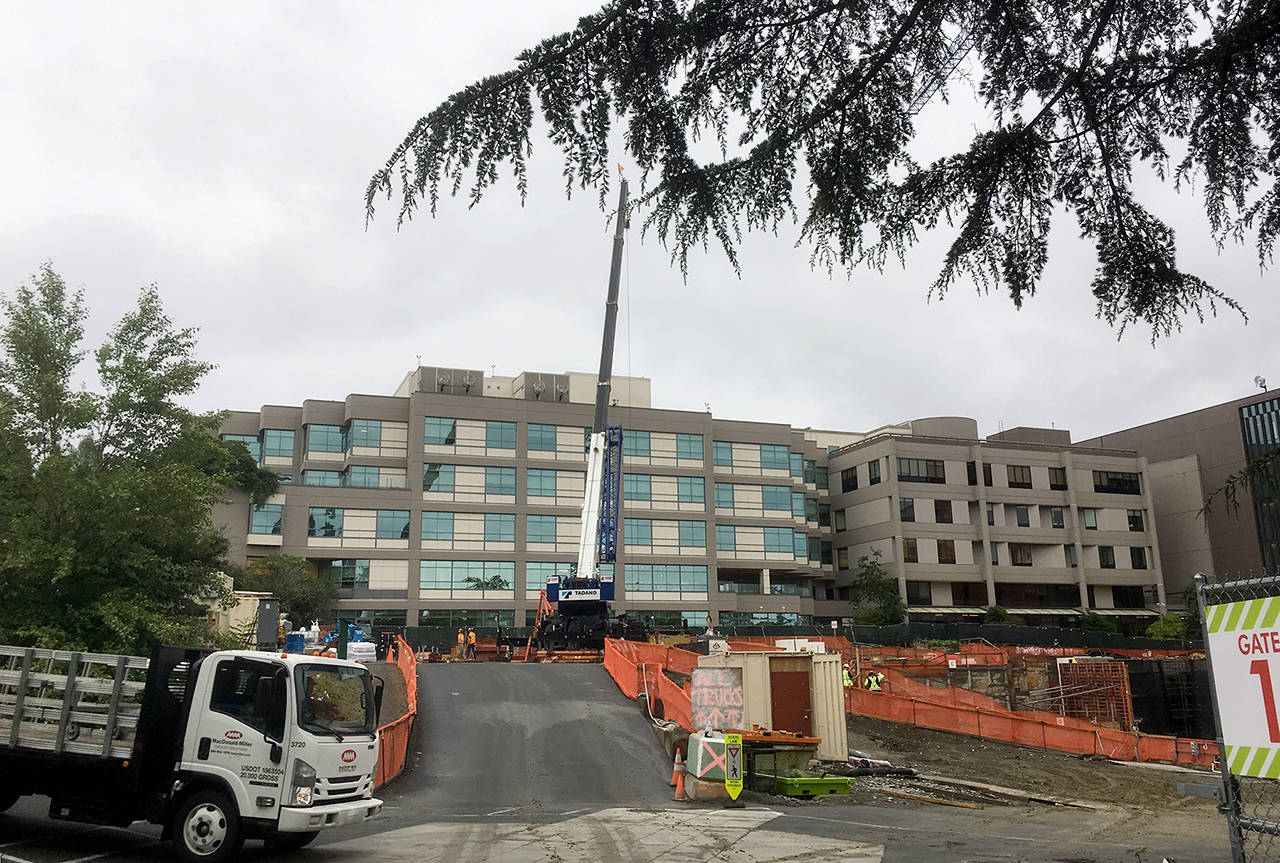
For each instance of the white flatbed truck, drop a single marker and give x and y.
(215, 746)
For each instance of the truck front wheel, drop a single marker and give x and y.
(290, 841)
(206, 828)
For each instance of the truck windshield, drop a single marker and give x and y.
(335, 700)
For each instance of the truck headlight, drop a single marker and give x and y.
(304, 783)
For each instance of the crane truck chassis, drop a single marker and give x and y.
(215, 746)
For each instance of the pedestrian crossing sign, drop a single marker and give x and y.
(733, 764)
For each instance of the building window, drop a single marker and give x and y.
(500, 527)
(666, 578)
(1013, 595)
(439, 431)
(986, 475)
(499, 435)
(540, 482)
(326, 478)
(1020, 554)
(801, 541)
(1070, 554)
(828, 553)
(1056, 518)
(1090, 516)
(637, 531)
(1136, 522)
(267, 518)
(251, 443)
(823, 478)
(1019, 475)
(691, 489)
(969, 594)
(724, 495)
(637, 486)
(1116, 482)
(775, 457)
(324, 521)
(538, 573)
(971, 472)
(284, 478)
(1138, 557)
(991, 513)
(921, 470)
(842, 521)
(726, 538)
(995, 554)
(467, 575)
(542, 438)
(500, 480)
(437, 477)
(1058, 478)
(946, 551)
(824, 515)
(815, 549)
(842, 558)
(849, 479)
(775, 497)
(363, 476)
(910, 554)
(779, 539)
(344, 574)
(919, 593)
(277, 443)
(942, 511)
(1128, 596)
(797, 504)
(1023, 514)
(366, 433)
(393, 524)
(797, 465)
(540, 528)
(722, 453)
(689, 446)
(437, 526)
(873, 472)
(693, 534)
(809, 471)
(1106, 557)
(635, 443)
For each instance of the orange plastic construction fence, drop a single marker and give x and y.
(964, 712)
(393, 738)
(638, 668)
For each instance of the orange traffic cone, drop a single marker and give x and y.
(675, 769)
(679, 775)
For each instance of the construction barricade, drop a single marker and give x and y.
(393, 738)
(962, 711)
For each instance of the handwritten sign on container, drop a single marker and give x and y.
(716, 698)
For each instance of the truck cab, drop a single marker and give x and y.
(277, 746)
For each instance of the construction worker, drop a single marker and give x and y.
(471, 644)
(848, 677)
(873, 681)
(462, 644)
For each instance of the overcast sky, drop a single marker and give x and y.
(222, 152)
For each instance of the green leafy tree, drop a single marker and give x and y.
(997, 614)
(107, 538)
(1093, 622)
(1169, 626)
(806, 110)
(876, 594)
(303, 596)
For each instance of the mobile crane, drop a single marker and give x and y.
(581, 616)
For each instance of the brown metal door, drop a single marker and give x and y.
(792, 707)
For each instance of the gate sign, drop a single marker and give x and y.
(716, 698)
(733, 764)
(1244, 643)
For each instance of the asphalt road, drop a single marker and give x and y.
(551, 763)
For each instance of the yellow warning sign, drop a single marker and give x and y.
(733, 764)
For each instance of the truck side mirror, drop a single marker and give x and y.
(377, 700)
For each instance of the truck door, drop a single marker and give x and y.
(239, 732)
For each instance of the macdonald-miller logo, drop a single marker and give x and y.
(232, 735)
(348, 756)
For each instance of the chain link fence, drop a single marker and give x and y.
(1239, 618)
